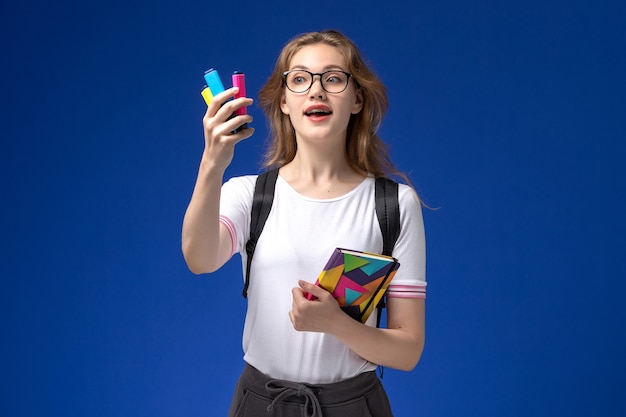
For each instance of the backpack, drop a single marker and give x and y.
(387, 212)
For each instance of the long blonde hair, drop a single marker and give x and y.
(366, 152)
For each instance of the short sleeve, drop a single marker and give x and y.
(410, 249)
(235, 206)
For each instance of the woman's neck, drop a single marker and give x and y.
(320, 175)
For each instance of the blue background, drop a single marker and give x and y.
(508, 116)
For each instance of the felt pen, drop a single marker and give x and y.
(207, 95)
(239, 81)
(212, 79)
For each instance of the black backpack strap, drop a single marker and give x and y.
(261, 206)
(388, 213)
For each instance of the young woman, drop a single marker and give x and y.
(307, 357)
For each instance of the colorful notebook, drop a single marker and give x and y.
(358, 280)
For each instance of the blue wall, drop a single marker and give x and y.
(509, 117)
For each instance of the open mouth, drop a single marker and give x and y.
(318, 111)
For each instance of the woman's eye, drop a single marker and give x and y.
(333, 78)
(299, 78)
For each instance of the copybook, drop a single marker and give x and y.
(357, 280)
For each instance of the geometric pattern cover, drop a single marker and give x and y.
(358, 280)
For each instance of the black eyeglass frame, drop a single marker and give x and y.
(313, 74)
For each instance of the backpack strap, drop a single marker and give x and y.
(388, 213)
(261, 206)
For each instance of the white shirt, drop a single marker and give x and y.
(298, 238)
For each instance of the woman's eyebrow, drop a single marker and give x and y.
(326, 68)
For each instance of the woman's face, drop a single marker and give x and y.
(317, 114)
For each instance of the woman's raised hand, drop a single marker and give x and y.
(219, 124)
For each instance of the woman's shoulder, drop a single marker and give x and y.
(406, 193)
(242, 181)
(239, 188)
(408, 197)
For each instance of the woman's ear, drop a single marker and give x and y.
(358, 101)
(283, 105)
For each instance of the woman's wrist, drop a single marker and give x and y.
(210, 167)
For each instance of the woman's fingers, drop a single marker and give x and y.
(222, 107)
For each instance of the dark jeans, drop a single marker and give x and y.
(256, 395)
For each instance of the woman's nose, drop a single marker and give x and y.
(316, 87)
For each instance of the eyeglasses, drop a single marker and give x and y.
(300, 81)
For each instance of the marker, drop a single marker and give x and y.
(239, 81)
(212, 79)
(207, 95)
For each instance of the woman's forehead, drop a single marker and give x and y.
(318, 57)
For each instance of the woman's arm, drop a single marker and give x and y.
(206, 243)
(398, 346)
